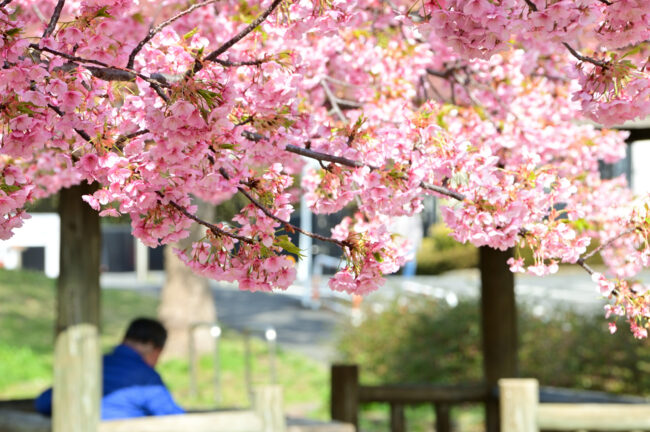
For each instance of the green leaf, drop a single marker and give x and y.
(284, 242)
(103, 12)
(190, 33)
(9, 188)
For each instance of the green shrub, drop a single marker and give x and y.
(427, 341)
(439, 253)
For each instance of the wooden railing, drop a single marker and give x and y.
(267, 416)
(521, 411)
(348, 395)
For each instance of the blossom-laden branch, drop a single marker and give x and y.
(241, 35)
(585, 59)
(324, 157)
(215, 229)
(285, 224)
(159, 27)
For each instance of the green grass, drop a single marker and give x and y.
(27, 310)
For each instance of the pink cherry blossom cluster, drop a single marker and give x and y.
(475, 102)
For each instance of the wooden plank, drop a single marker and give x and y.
(77, 355)
(269, 407)
(345, 394)
(413, 394)
(397, 418)
(518, 405)
(594, 417)
(498, 325)
(229, 421)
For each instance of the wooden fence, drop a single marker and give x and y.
(267, 416)
(521, 411)
(347, 396)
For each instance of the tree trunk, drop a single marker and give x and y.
(77, 366)
(498, 324)
(186, 297)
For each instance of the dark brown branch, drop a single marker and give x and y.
(215, 229)
(312, 154)
(608, 3)
(286, 225)
(124, 138)
(228, 63)
(531, 5)
(356, 164)
(55, 18)
(586, 59)
(159, 27)
(105, 72)
(242, 34)
(83, 134)
(5, 3)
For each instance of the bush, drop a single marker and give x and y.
(427, 341)
(439, 253)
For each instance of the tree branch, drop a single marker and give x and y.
(83, 134)
(5, 3)
(228, 63)
(319, 156)
(333, 101)
(608, 243)
(531, 5)
(159, 27)
(242, 34)
(215, 229)
(582, 58)
(286, 225)
(54, 19)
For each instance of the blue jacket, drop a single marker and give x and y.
(131, 387)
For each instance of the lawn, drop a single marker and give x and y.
(27, 308)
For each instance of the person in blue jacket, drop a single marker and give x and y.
(131, 386)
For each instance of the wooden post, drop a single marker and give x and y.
(397, 418)
(345, 394)
(269, 406)
(77, 366)
(518, 400)
(443, 417)
(498, 325)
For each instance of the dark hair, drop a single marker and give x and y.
(147, 330)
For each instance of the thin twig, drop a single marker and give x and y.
(215, 229)
(228, 63)
(606, 244)
(333, 101)
(586, 59)
(5, 3)
(242, 34)
(54, 19)
(123, 138)
(83, 134)
(159, 27)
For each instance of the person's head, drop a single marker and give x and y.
(146, 336)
